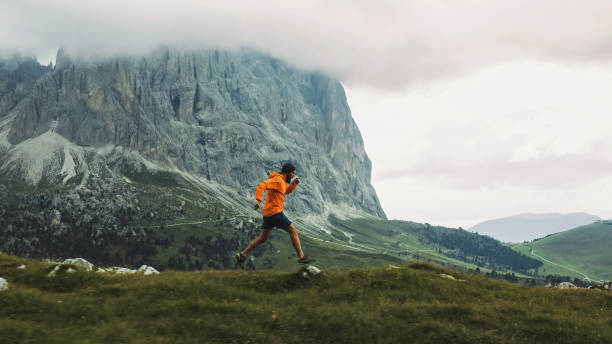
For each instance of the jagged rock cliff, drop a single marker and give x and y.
(231, 117)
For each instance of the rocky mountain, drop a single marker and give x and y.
(154, 160)
(227, 117)
(526, 227)
(100, 157)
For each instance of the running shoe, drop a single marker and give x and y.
(306, 260)
(241, 258)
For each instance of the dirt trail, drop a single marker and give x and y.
(559, 265)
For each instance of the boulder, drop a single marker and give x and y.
(310, 271)
(21, 267)
(147, 270)
(3, 284)
(79, 262)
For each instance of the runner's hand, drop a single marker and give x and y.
(257, 204)
(295, 181)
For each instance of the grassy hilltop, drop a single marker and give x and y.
(409, 303)
(580, 252)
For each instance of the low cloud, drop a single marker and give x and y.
(538, 125)
(549, 173)
(383, 44)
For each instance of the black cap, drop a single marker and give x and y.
(287, 168)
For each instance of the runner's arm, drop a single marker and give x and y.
(290, 189)
(292, 186)
(259, 193)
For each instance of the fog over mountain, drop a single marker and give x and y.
(387, 44)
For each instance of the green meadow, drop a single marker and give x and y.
(579, 252)
(410, 303)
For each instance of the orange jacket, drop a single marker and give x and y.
(277, 189)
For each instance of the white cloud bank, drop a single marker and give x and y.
(379, 43)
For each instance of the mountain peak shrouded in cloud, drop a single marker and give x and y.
(469, 109)
(389, 44)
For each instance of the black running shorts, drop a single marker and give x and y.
(277, 220)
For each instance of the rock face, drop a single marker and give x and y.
(17, 78)
(230, 117)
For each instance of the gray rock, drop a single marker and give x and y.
(230, 117)
(54, 272)
(79, 262)
(125, 271)
(18, 75)
(603, 286)
(310, 271)
(148, 270)
(3, 284)
(565, 285)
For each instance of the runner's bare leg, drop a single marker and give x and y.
(264, 235)
(295, 240)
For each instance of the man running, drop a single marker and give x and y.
(273, 215)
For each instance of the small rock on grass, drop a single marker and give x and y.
(79, 262)
(452, 278)
(147, 270)
(310, 271)
(3, 284)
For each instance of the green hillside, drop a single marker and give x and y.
(447, 246)
(378, 305)
(174, 221)
(580, 252)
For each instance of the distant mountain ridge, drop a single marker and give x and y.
(528, 226)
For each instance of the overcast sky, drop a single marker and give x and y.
(470, 110)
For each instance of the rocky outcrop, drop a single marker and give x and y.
(564, 285)
(69, 265)
(603, 286)
(309, 271)
(17, 77)
(79, 262)
(231, 117)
